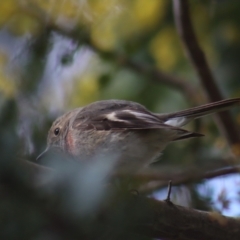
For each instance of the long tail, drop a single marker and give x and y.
(179, 119)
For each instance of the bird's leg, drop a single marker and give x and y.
(168, 199)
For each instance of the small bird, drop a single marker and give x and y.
(126, 131)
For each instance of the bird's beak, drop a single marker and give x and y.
(44, 153)
(51, 152)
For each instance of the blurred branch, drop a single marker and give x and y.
(159, 180)
(199, 62)
(158, 76)
(155, 75)
(80, 35)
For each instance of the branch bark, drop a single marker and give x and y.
(180, 223)
(197, 57)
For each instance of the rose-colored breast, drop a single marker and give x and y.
(70, 143)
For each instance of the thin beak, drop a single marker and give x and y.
(42, 154)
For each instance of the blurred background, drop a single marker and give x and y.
(57, 55)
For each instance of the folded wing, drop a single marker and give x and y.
(123, 119)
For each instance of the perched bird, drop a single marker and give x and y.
(124, 130)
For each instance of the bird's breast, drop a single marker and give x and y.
(70, 143)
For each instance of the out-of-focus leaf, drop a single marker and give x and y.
(8, 86)
(21, 24)
(166, 49)
(85, 91)
(8, 9)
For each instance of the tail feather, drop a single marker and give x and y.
(188, 135)
(180, 118)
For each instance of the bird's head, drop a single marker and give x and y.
(56, 140)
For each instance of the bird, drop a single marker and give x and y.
(125, 131)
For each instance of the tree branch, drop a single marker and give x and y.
(197, 58)
(180, 223)
(158, 180)
(188, 174)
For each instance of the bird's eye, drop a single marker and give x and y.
(56, 131)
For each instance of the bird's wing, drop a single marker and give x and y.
(123, 119)
(122, 115)
(118, 119)
(181, 118)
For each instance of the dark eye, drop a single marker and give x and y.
(56, 131)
